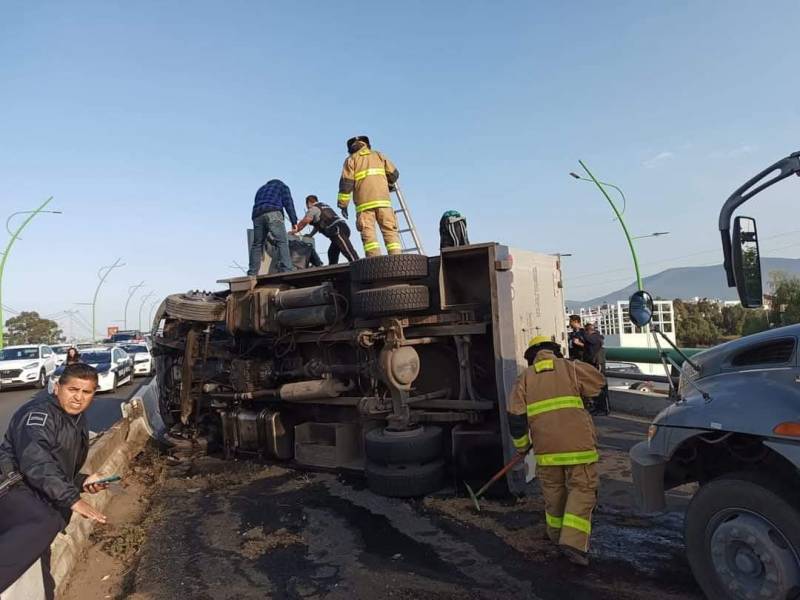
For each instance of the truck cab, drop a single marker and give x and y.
(734, 431)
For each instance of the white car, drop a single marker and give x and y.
(30, 364)
(114, 368)
(142, 359)
(61, 353)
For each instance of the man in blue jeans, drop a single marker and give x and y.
(272, 199)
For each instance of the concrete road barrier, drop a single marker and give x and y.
(639, 404)
(109, 454)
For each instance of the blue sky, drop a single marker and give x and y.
(153, 125)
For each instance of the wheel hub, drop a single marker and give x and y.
(752, 558)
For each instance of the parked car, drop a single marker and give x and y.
(114, 368)
(30, 364)
(142, 359)
(130, 335)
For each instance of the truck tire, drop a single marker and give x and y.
(390, 300)
(405, 481)
(394, 267)
(416, 446)
(196, 306)
(743, 538)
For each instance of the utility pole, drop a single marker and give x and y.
(14, 237)
(144, 299)
(131, 291)
(71, 316)
(102, 273)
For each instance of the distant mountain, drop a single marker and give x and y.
(688, 282)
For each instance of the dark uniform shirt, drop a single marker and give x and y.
(48, 446)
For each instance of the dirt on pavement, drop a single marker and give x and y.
(210, 529)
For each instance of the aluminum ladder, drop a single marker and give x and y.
(409, 226)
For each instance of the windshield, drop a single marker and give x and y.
(19, 353)
(60, 349)
(133, 349)
(122, 337)
(96, 357)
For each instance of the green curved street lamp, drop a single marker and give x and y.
(14, 237)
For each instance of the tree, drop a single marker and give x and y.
(30, 328)
(732, 319)
(754, 321)
(786, 298)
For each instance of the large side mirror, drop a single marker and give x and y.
(640, 308)
(747, 262)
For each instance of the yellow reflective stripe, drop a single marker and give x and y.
(543, 365)
(371, 246)
(554, 522)
(543, 406)
(565, 459)
(393, 246)
(373, 204)
(367, 172)
(344, 197)
(576, 522)
(521, 442)
(364, 152)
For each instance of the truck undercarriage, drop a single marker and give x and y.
(393, 365)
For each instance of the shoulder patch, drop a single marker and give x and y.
(36, 419)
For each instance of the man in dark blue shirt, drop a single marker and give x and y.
(272, 199)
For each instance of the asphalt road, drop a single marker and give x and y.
(103, 412)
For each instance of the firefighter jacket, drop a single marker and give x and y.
(48, 447)
(365, 179)
(546, 409)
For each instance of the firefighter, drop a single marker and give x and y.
(546, 411)
(367, 177)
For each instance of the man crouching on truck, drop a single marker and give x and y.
(546, 410)
(47, 443)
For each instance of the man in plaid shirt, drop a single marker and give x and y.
(272, 199)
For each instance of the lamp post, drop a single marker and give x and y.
(131, 291)
(144, 299)
(153, 305)
(611, 185)
(102, 273)
(560, 254)
(14, 237)
(617, 212)
(647, 235)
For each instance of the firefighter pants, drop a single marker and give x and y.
(570, 495)
(28, 526)
(385, 218)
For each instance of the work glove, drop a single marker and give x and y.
(392, 187)
(344, 212)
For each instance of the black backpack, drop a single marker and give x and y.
(452, 230)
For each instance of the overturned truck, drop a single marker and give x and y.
(397, 366)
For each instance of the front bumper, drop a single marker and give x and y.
(29, 377)
(648, 478)
(105, 382)
(143, 368)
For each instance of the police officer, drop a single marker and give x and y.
(546, 411)
(47, 443)
(332, 226)
(367, 177)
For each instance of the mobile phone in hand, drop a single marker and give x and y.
(109, 479)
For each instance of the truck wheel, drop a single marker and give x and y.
(394, 267)
(196, 306)
(743, 539)
(405, 481)
(396, 447)
(390, 300)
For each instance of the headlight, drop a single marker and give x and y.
(33, 365)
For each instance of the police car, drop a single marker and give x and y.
(114, 367)
(142, 359)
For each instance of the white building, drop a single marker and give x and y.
(613, 322)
